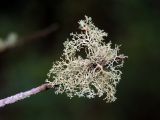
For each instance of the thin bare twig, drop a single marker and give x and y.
(40, 34)
(35, 36)
(23, 95)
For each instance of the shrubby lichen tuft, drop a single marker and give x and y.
(88, 66)
(9, 42)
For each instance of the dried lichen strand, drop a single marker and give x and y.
(95, 75)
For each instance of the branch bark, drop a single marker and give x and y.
(23, 95)
(35, 36)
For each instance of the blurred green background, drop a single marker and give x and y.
(133, 23)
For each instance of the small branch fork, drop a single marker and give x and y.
(23, 95)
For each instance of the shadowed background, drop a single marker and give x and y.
(132, 23)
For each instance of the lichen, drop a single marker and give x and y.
(88, 66)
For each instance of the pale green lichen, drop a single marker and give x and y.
(88, 66)
(9, 42)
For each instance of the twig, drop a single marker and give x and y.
(35, 36)
(41, 33)
(23, 95)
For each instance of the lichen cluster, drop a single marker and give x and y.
(88, 66)
(9, 42)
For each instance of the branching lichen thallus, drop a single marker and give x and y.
(94, 74)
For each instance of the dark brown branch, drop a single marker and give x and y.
(23, 95)
(35, 36)
(40, 34)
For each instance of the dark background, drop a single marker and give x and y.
(133, 23)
